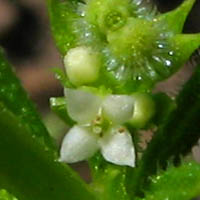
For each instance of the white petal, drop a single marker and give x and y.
(82, 106)
(118, 108)
(117, 147)
(78, 144)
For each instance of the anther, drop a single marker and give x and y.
(121, 130)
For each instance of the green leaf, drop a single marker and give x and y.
(30, 171)
(62, 16)
(136, 51)
(175, 19)
(175, 184)
(110, 185)
(15, 98)
(175, 137)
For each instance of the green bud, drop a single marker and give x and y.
(82, 65)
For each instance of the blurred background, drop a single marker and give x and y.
(26, 37)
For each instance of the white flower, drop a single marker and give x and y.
(99, 128)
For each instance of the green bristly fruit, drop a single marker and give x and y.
(137, 49)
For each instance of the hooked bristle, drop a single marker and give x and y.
(145, 8)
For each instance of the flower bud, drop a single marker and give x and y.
(82, 65)
(144, 108)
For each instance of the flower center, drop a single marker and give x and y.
(97, 130)
(114, 20)
(121, 130)
(99, 125)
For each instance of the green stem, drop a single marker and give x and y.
(108, 180)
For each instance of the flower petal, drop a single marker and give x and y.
(117, 147)
(78, 144)
(118, 108)
(82, 106)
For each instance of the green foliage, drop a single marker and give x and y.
(164, 106)
(178, 15)
(29, 161)
(176, 183)
(30, 171)
(62, 15)
(176, 136)
(152, 48)
(136, 51)
(15, 98)
(136, 47)
(108, 180)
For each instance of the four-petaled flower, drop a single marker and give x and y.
(99, 126)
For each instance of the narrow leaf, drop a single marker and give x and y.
(16, 99)
(29, 171)
(63, 15)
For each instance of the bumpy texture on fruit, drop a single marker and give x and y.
(137, 47)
